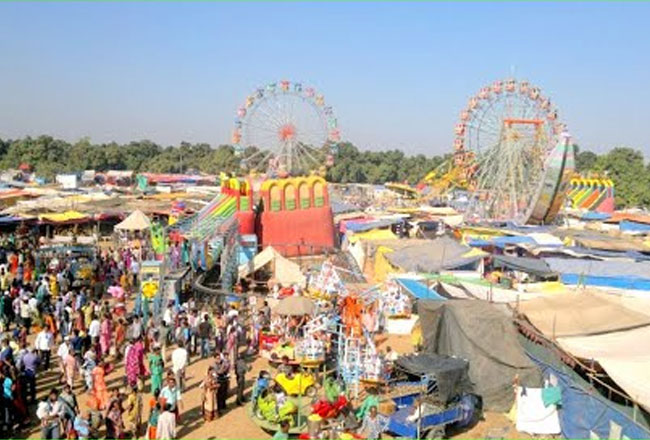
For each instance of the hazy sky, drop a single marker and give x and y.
(397, 74)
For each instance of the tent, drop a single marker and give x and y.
(434, 256)
(295, 306)
(487, 338)
(531, 266)
(284, 270)
(136, 221)
(580, 314)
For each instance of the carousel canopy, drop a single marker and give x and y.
(295, 306)
(136, 221)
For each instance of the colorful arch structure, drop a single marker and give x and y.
(242, 191)
(296, 218)
(592, 194)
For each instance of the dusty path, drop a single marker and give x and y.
(235, 423)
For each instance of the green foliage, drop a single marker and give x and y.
(49, 156)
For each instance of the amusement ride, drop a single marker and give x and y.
(504, 152)
(285, 128)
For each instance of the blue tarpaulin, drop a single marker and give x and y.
(591, 215)
(632, 283)
(367, 226)
(419, 289)
(502, 242)
(584, 412)
(628, 225)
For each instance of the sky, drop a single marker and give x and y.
(396, 74)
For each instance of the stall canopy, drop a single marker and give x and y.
(419, 290)
(486, 337)
(285, 271)
(531, 266)
(450, 373)
(64, 217)
(580, 314)
(136, 221)
(624, 359)
(295, 306)
(434, 256)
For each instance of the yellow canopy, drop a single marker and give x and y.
(62, 217)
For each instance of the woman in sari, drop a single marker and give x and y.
(156, 369)
(71, 368)
(100, 391)
(135, 363)
(209, 387)
(105, 334)
(120, 336)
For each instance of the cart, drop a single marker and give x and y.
(442, 387)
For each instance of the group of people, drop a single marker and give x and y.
(63, 335)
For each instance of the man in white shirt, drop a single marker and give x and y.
(94, 328)
(44, 342)
(50, 412)
(179, 363)
(168, 316)
(62, 352)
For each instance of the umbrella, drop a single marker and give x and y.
(116, 292)
(295, 306)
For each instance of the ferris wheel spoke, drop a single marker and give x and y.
(269, 115)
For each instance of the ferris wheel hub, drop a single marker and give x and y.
(287, 132)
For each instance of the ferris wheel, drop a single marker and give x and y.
(503, 140)
(285, 128)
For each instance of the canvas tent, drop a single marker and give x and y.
(285, 271)
(580, 314)
(487, 338)
(532, 266)
(136, 221)
(434, 256)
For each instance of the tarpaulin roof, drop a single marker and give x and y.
(609, 268)
(450, 373)
(487, 338)
(366, 225)
(632, 226)
(419, 289)
(626, 360)
(63, 217)
(580, 314)
(434, 256)
(284, 271)
(592, 215)
(136, 221)
(534, 266)
(12, 219)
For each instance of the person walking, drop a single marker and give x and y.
(223, 379)
(205, 331)
(30, 363)
(241, 367)
(179, 363)
(156, 369)
(166, 427)
(209, 388)
(49, 413)
(44, 342)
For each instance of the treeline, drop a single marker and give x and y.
(49, 156)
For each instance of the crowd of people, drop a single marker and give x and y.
(54, 321)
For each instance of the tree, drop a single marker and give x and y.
(585, 161)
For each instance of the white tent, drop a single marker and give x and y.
(136, 221)
(284, 270)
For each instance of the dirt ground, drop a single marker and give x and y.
(235, 423)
